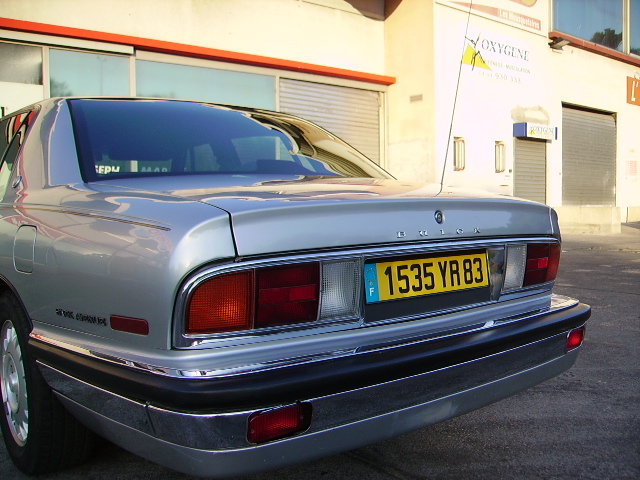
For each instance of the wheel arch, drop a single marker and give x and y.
(7, 286)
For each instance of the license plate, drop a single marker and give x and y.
(415, 277)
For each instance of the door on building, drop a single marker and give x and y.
(530, 169)
(588, 157)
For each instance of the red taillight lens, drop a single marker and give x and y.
(575, 339)
(279, 423)
(222, 304)
(258, 298)
(288, 294)
(542, 263)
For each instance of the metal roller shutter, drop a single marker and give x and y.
(530, 170)
(351, 113)
(588, 158)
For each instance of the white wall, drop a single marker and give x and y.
(597, 82)
(299, 30)
(486, 109)
(480, 104)
(411, 121)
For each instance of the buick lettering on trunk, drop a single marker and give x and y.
(225, 290)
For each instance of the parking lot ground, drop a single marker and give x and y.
(584, 424)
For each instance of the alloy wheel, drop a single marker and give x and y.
(13, 384)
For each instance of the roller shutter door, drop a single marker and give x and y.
(351, 113)
(530, 170)
(588, 158)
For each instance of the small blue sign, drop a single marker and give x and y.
(371, 283)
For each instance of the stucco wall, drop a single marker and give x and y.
(410, 101)
(298, 30)
(483, 109)
(600, 83)
(480, 103)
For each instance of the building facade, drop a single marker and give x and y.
(533, 98)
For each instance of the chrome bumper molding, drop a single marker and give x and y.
(216, 444)
(341, 422)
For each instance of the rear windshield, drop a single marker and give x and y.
(131, 138)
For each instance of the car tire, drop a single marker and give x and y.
(41, 436)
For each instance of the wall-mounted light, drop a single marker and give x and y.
(500, 157)
(558, 42)
(459, 154)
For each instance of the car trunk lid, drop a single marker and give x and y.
(321, 214)
(272, 215)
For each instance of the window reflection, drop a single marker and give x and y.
(20, 64)
(599, 21)
(156, 79)
(79, 73)
(13, 131)
(128, 138)
(634, 15)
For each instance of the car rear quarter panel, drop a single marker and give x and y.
(87, 268)
(98, 254)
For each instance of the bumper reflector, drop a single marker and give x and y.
(279, 423)
(129, 325)
(574, 339)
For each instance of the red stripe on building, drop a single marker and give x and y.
(181, 49)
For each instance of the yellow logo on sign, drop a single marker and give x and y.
(474, 58)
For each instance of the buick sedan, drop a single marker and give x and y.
(227, 290)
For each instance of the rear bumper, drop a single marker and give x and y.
(458, 375)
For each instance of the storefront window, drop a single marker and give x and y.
(20, 64)
(79, 73)
(598, 21)
(156, 79)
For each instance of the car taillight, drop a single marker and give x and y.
(287, 295)
(542, 263)
(279, 423)
(222, 304)
(530, 264)
(264, 297)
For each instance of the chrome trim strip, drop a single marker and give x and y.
(66, 211)
(389, 336)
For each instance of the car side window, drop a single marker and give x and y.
(12, 134)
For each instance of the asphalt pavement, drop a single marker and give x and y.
(584, 424)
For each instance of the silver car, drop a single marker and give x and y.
(226, 290)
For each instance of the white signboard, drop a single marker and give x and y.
(498, 57)
(535, 130)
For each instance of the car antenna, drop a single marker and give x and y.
(455, 100)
